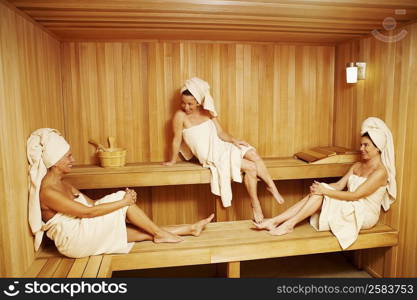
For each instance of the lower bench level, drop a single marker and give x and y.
(221, 242)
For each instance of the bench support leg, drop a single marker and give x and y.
(233, 269)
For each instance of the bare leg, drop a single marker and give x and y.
(137, 217)
(189, 229)
(250, 181)
(312, 205)
(262, 172)
(137, 235)
(270, 224)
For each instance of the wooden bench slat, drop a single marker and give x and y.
(240, 234)
(50, 267)
(223, 242)
(78, 268)
(154, 174)
(35, 268)
(304, 240)
(64, 268)
(183, 257)
(93, 266)
(105, 270)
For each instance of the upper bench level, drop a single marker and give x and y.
(155, 174)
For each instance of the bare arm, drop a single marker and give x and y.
(342, 183)
(60, 202)
(225, 136)
(177, 124)
(77, 192)
(375, 180)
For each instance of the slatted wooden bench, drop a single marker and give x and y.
(155, 174)
(221, 242)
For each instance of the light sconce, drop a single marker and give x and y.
(355, 72)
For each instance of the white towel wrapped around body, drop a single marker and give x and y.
(382, 137)
(346, 218)
(222, 158)
(81, 237)
(45, 147)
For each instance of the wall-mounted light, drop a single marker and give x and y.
(355, 72)
(361, 70)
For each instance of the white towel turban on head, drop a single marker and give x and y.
(45, 147)
(382, 137)
(201, 92)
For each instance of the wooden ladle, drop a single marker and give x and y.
(112, 144)
(99, 146)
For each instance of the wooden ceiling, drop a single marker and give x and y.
(327, 21)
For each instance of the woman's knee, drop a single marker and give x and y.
(316, 198)
(252, 155)
(249, 168)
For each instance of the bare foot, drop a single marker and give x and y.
(258, 215)
(267, 224)
(273, 190)
(282, 229)
(166, 237)
(196, 228)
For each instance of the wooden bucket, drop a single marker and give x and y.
(110, 157)
(114, 158)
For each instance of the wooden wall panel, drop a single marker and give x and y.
(263, 93)
(277, 97)
(30, 97)
(389, 92)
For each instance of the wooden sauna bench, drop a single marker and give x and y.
(155, 174)
(221, 242)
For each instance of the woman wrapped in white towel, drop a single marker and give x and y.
(78, 225)
(370, 184)
(196, 124)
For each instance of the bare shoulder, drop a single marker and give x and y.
(179, 115)
(381, 173)
(379, 176)
(50, 193)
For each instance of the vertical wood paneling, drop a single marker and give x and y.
(262, 92)
(30, 98)
(277, 97)
(389, 92)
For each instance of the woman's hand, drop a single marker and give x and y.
(169, 163)
(239, 143)
(130, 197)
(317, 188)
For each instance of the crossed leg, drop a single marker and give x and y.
(144, 229)
(250, 181)
(262, 172)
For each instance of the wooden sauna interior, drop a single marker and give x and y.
(277, 73)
